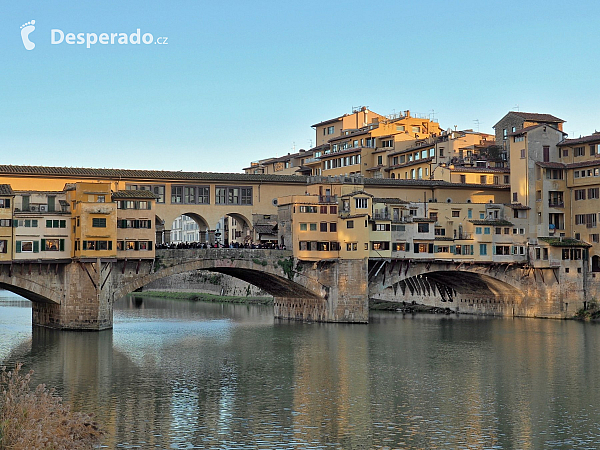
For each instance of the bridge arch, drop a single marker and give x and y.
(254, 268)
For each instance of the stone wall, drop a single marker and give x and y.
(206, 282)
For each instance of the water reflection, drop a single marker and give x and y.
(178, 374)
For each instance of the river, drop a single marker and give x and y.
(181, 375)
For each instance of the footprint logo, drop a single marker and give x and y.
(26, 30)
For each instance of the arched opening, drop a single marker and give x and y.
(190, 228)
(595, 263)
(233, 229)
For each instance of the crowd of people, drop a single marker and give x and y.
(247, 245)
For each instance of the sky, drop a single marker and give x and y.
(239, 81)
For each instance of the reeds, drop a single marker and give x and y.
(38, 419)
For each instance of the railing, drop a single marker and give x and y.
(464, 236)
(311, 160)
(381, 216)
(556, 204)
(328, 198)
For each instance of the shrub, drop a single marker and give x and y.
(38, 419)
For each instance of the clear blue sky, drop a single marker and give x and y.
(240, 81)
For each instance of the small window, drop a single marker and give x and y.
(98, 222)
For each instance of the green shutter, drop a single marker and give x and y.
(15, 223)
(62, 245)
(63, 224)
(408, 246)
(436, 248)
(452, 249)
(430, 248)
(472, 251)
(43, 244)
(493, 249)
(110, 245)
(18, 248)
(36, 246)
(48, 224)
(416, 249)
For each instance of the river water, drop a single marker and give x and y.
(179, 374)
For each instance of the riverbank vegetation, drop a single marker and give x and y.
(38, 419)
(205, 297)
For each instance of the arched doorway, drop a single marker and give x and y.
(595, 263)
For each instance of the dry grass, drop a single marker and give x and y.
(38, 419)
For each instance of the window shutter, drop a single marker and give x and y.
(472, 251)
(15, 223)
(416, 248)
(110, 245)
(137, 245)
(408, 246)
(374, 226)
(18, 248)
(48, 224)
(36, 246)
(436, 248)
(62, 245)
(387, 227)
(150, 245)
(452, 249)
(43, 244)
(63, 224)
(493, 249)
(430, 248)
(7, 203)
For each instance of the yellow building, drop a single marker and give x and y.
(135, 223)
(6, 222)
(42, 226)
(93, 220)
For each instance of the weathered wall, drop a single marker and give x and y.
(207, 282)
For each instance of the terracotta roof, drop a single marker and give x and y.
(393, 200)
(551, 165)
(564, 242)
(408, 164)
(533, 117)
(588, 163)
(519, 206)
(325, 122)
(341, 152)
(499, 223)
(430, 183)
(582, 140)
(265, 229)
(5, 189)
(480, 169)
(82, 172)
(132, 193)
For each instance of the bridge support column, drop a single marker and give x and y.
(342, 290)
(84, 305)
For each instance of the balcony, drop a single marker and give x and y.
(556, 203)
(382, 216)
(328, 199)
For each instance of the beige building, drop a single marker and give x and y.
(6, 222)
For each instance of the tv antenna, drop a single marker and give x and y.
(476, 121)
(516, 107)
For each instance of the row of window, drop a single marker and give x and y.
(341, 162)
(332, 209)
(589, 220)
(323, 226)
(33, 246)
(592, 193)
(196, 195)
(320, 246)
(32, 223)
(595, 172)
(134, 223)
(423, 154)
(4, 202)
(134, 204)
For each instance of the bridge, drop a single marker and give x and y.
(79, 294)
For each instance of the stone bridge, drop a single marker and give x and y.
(505, 289)
(80, 294)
